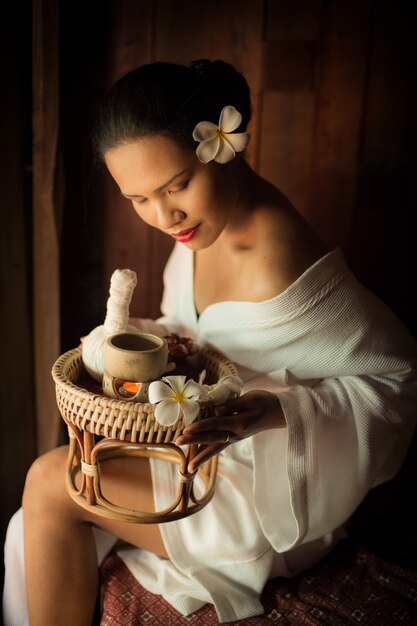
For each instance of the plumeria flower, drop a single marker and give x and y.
(218, 142)
(175, 397)
(223, 390)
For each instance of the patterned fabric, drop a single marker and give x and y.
(351, 586)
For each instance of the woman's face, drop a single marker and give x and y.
(172, 191)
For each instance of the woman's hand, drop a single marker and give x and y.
(237, 419)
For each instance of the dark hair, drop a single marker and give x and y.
(170, 99)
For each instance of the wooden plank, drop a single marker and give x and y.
(130, 37)
(128, 239)
(383, 251)
(343, 54)
(45, 215)
(288, 105)
(292, 20)
(289, 66)
(82, 77)
(17, 401)
(287, 134)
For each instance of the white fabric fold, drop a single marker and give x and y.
(344, 370)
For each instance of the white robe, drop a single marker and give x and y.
(344, 370)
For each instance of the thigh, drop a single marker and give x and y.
(126, 481)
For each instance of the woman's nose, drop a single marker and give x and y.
(168, 215)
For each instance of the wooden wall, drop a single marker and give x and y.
(334, 126)
(17, 399)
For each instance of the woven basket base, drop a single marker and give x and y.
(101, 427)
(89, 495)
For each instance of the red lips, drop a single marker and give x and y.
(185, 235)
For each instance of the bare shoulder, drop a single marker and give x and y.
(264, 249)
(285, 246)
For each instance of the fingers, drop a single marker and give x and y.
(205, 436)
(225, 419)
(239, 418)
(205, 452)
(210, 441)
(232, 406)
(214, 434)
(216, 429)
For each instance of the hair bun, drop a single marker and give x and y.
(201, 66)
(221, 84)
(167, 98)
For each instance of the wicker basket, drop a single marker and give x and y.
(127, 429)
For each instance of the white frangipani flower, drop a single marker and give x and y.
(225, 388)
(175, 396)
(219, 142)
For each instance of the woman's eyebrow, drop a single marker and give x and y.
(168, 182)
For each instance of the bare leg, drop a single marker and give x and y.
(60, 557)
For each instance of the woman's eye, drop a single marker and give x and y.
(180, 187)
(140, 201)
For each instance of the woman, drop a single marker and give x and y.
(326, 412)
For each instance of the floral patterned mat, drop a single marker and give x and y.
(350, 586)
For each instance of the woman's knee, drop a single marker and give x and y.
(45, 479)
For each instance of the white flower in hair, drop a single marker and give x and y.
(219, 143)
(174, 396)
